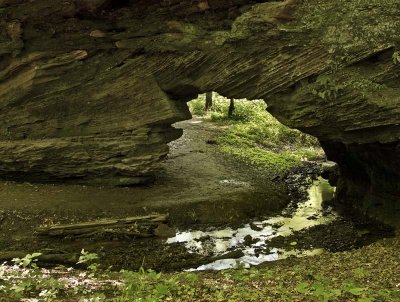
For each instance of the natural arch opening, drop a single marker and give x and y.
(252, 145)
(255, 136)
(251, 131)
(242, 159)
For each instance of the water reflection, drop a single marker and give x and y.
(252, 239)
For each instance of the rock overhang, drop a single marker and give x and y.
(89, 88)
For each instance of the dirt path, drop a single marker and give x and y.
(197, 172)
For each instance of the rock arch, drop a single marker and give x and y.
(89, 88)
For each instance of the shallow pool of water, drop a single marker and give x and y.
(249, 243)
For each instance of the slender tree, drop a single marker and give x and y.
(231, 109)
(209, 99)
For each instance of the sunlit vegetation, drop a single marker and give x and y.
(255, 136)
(364, 275)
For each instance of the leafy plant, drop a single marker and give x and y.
(323, 289)
(327, 88)
(320, 289)
(87, 257)
(29, 261)
(151, 286)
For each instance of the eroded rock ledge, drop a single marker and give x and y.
(89, 88)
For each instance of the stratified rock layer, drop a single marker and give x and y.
(89, 88)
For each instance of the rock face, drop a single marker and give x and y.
(89, 88)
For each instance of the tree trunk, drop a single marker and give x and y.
(66, 259)
(140, 226)
(231, 109)
(208, 101)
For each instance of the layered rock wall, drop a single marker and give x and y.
(89, 88)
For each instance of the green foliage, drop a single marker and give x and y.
(244, 110)
(28, 280)
(29, 261)
(246, 274)
(325, 290)
(197, 107)
(256, 137)
(87, 257)
(150, 286)
(365, 87)
(327, 88)
(275, 162)
(320, 289)
(303, 282)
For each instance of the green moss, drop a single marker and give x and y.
(275, 162)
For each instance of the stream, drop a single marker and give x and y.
(249, 245)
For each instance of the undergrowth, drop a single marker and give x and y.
(255, 136)
(367, 275)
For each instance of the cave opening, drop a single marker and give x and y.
(246, 130)
(242, 155)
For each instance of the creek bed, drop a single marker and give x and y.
(249, 244)
(217, 238)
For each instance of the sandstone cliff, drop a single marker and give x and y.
(89, 88)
